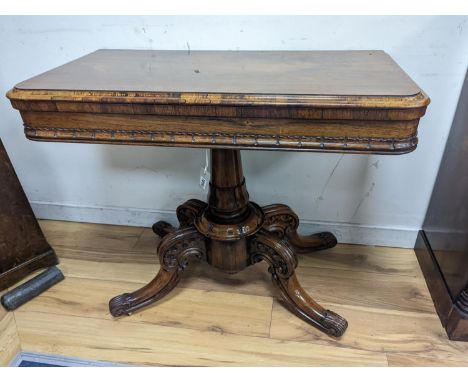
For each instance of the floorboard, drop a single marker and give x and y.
(214, 319)
(9, 339)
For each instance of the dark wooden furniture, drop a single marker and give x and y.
(442, 244)
(23, 248)
(335, 101)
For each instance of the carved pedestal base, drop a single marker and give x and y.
(231, 233)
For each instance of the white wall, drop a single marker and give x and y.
(364, 199)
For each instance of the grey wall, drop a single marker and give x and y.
(364, 199)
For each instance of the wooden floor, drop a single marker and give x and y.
(213, 319)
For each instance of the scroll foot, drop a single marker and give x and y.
(281, 220)
(174, 252)
(187, 212)
(283, 261)
(311, 243)
(162, 228)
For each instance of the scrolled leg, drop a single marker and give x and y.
(283, 261)
(174, 250)
(281, 220)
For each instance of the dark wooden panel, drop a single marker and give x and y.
(446, 229)
(23, 247)
(446, 222)
(434, 278)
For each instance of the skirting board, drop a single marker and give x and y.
(345, 233)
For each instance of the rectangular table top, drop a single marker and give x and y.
(293, 100)
(368, 73)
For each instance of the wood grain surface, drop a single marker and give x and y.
(340, 101)
(395, 324)
(369, 73)
(9, 339)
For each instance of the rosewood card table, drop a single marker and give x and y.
(325, 101)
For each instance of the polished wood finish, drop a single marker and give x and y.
(23, 248)
(353, 73)
(346, 101)
(174, 252)
(213, 319)
(442, 245)
(283, 262)
(229, 218)
(232, 233)
(281, 220)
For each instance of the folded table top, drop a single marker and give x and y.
(358, 101)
